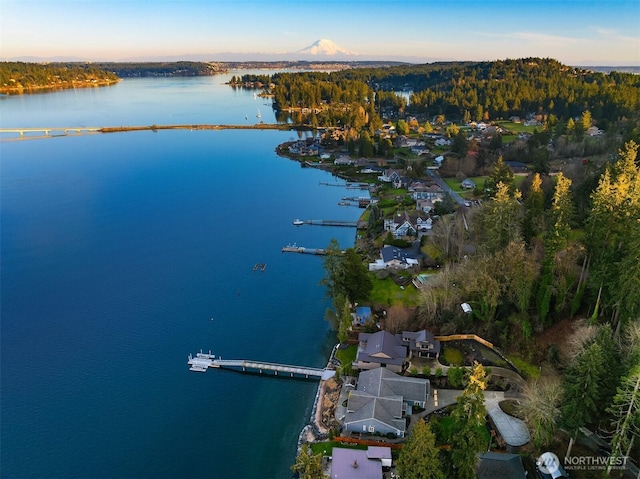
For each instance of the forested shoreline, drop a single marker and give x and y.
(20, 77)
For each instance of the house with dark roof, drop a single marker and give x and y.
(421, 344)
(367, 413)
(400, 225)
(381, 400)
(383, 383)
(492, 465)
(359, 464)
(394, 257)
(381, 349)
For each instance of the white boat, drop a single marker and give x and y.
(298, 222)
(258, 115)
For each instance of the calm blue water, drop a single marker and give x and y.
(117, 250)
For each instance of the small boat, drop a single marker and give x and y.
(258, 115)
(298, 222)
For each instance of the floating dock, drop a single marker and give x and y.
(203, 361)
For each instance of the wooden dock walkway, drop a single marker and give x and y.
(203, 361)
(348, 224)
(302, 250)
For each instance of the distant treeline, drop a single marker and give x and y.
(460, 91)
(162, 69)
(16, 77)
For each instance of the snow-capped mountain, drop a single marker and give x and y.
(324, 47)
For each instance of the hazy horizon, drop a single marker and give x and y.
(584, 33)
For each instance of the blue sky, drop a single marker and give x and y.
(576, 32)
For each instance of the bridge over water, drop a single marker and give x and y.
(51, 131)
(65, 130)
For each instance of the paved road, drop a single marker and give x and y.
(456, 197)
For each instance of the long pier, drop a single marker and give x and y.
(302, 250)
(203, 361)
(349, 224)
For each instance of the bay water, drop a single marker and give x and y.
(122, 253)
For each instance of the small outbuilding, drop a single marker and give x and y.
(468, 184)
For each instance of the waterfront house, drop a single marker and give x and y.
(380, 402)
(359, 464)
(380, 349)
(343, 161)
(393, 177)
(400, 225)
(383, 383)
(394, 257)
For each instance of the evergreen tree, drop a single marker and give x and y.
(346, 275)
(581, 390)
(612, 232)
(499, 220)
(501, 173)
(418, 457)
(469, 416)
(625, 410)
(534, 207)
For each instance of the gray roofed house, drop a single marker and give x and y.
(384, 383)
(380, 402)
(389, 253)
(494, 465)
(380, 349)
(372, 414)
(359, 464)
(421, 344)
(380, 452)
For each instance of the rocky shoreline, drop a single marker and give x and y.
(314, 430)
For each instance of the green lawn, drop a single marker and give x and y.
(325, 448)
(445, 427)
(529, 370)
(517, 127)
(348, 355)
(451, 355)
(385, 292)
